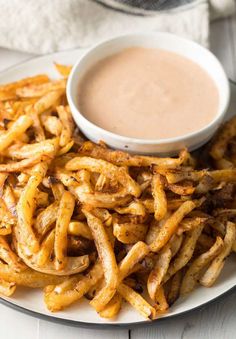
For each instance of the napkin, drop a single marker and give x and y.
(44, 26)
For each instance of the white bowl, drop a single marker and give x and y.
(170, 42)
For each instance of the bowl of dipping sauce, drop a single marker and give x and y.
(152, 93)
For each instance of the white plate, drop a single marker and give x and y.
(31, 301)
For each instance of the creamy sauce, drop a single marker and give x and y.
(148, 94)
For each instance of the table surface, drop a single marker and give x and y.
(216, 320)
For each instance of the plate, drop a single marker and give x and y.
(81, 314)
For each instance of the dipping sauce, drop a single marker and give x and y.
(148, 94)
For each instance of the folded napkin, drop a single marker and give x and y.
(47, 26)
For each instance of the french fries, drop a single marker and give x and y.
(79, 219)
(108, 260)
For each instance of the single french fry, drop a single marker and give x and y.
(65, 211)
(192, 275)
(137, 301)
(138, 252)
(160, 201)
(15, 131)
(58, 297)
(171, 225)
(217, 264)
(156, 276)
(185, 253)
(112, 308)
(108, 260)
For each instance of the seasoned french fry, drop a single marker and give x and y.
(137, 301)
(109, 170)
(38, 90)
(161, 305)
(15, 131)
(25, 209)
(108, 260)
(160, 201)
(186, 251)
(174, 288)
(46, 248)
(138, 252)
(156, 276)
(124, 159)
(47, 101)
(65, 211)
(112, 308)
(171, 225)
(56, 298)
(192, 275)
(29, 277)
(67, 124)
(217, 264)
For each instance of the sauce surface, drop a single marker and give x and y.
(148, 94)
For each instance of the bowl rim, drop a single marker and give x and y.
(139, 141)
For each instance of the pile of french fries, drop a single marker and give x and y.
(78, 219)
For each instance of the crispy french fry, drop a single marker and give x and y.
(156, 276)
(47, 101)
(161, 305)
(125, 159)
(185, 253)
(217, 264)
(192, 275)
(67, 124)
(52, 125)
(15, 131)
(171, 225)
(174, 288)
(37, 79)
(109, 170)
(25, 209)
(108, 260)
(160, 201)
(57, 297)
(29, 277)
(38, 90)
(138, 252)
(65, 211)
(46, 248)
(112, 308)
(137, 301)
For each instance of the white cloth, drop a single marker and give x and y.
(44, 26)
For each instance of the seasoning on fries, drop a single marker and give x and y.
(79, 219)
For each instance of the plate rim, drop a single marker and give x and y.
(96, 325)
